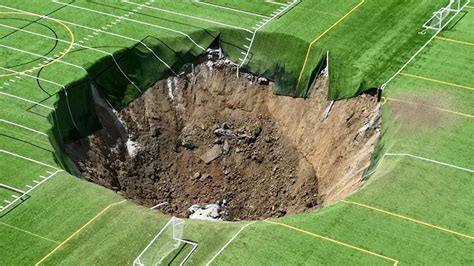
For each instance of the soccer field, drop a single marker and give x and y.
(415, 208)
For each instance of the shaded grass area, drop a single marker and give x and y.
(417, 189)
(429, 193)
(362, 58)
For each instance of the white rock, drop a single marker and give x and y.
(209, 212)
(132, 148)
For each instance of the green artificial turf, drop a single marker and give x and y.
(365, 49)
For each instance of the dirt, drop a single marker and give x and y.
(209, 136)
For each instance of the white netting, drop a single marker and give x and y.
(163, 244)
(441, 17)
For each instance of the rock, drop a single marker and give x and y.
(211, 154)
(225, 147)
(132, 147)
(194, 208)
(262, 81)
(204, 177)
(196, 175)
(208, 212)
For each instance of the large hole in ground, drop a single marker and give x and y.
(214, 145)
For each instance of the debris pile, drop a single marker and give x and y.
(217, 145)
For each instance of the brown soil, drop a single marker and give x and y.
(297, 162)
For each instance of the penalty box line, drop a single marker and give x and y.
(395, 262)
(78, 231)
(388, 154)
(408, 219)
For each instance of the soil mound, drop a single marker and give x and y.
(212, 137)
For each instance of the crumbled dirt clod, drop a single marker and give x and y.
(216, 137)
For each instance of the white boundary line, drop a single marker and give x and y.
(137, 260)
(416, 157)
(189, 16)
(4, 208)
(47, 81)
(422, 48)
(195, 245)
(131, 20)
(231, 9)
(48, 58)
(228, 243)
(12, 188)
(98, 30)
(158, 205)
(29, 159)
(24, 127)
(72, 65)
(431, 161)
(383, 86)
(26, 100)
(276, 3)
(263, 24)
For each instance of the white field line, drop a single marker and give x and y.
(24, 127)
(76, 66)
(4, 208)
(47, 81)
(29, 159)
(263, 24)
(231, 9)
(276, 3)
(29, 233)
(431, 161)
(422, 48)
(108, 26)
(189, 16)
(97, 30)
(138, 260)
(12, 188)
(132, 20)
(195, 245)
(418, 158)
(26, 100)
(48, 58)
(158, 205)
(228, 243)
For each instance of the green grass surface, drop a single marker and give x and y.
(365, 49)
